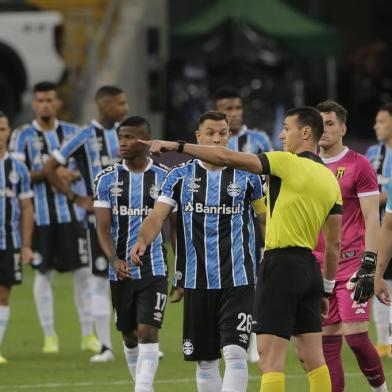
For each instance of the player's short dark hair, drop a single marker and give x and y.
(107, 91)
(226, 92)
(2, 114)
(44, 87)
(136, 121)
(212, 115)
(329, 106)
(308, 116)
(387, 107)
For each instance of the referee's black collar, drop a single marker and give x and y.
(311, 155)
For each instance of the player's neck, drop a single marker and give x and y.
(137, 164)
(208, 166)
(235, 132)
(3, 151)
(388, 143)
(106, 123)
(333, 151)
(46, 125)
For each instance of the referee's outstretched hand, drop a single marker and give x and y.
(136, 252)
(159, 146)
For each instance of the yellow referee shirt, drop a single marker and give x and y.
(302, 192)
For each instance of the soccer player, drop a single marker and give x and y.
(380, 156)
(94, 148)
(349, 310)
(125, 194)
(303, 196)
(16, 224)
(215, 258)
(59, 240)
(228, 100)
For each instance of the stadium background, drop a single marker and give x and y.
(169, 56)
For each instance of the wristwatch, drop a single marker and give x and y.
(181, 145)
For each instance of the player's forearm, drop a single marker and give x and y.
(372, 230)
(383, 198)
(149, 230)
(384, 249)
(53, 178)
(37, 176)
(331, 259)
(105, 240)
(27, 223)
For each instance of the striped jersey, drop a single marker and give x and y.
(250, 141)
(33, 146)
(131, 196)
(94, 148)
(380, 156)
(215, 231)
(14, 186)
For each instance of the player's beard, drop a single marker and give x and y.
(46, 119)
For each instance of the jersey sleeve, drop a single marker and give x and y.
(259, 206)
(71, 146)
(18, 145)
(167, 192)
(264, 142)
(277, 163)
(102, 189)
(25, 191)
(366, 179)
(257, 187)
(337, 208)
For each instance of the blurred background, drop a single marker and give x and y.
(171, 55)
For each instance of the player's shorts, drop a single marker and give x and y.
(214, 319)
(10, 267)
(62, 247)
(342, 307)
(99, 262)
(139, 301)
(288, 294)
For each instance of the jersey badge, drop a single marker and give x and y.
(340, 172)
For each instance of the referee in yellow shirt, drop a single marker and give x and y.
(303, 197)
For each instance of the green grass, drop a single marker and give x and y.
(30, 370)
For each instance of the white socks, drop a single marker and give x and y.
(146, 366)
(101, 309)
(82, 297)
(131, 355)
(381, 388)
(4, 317)
(236, 372)
(43, 296)
(207, 376)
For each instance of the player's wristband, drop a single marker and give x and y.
(181, 145)
(328, 286)
(113, 258)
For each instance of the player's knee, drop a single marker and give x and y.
(130, 339)
(147, 333)
(235, 353)
(208, 365)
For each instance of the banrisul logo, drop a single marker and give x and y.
(223, 209)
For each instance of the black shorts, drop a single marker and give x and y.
(10, 267)
(138, 301)
(214, 319)
(288, 293)
(99, 262)
(61, 246)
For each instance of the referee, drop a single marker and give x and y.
(303, 196)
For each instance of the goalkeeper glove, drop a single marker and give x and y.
(364, 278)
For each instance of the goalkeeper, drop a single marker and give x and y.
(350, 300)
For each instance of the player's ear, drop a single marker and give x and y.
(344, 129)
(197, 133)
(307, 132)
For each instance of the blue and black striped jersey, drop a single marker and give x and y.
(14, 186)
(215, 230)
(94, 148)
(131, 196)
(380, 156)
(34, 146)
(250, 141)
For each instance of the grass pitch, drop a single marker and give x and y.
(70, 370)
